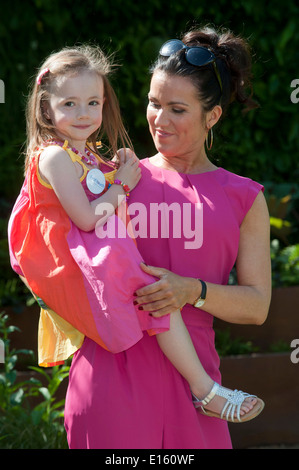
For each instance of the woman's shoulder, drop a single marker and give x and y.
(147, 169)
(144, 162)
(229, 178)
(240, 190)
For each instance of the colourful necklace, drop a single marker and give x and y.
(88, 157)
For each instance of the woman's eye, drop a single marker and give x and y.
(154, 105)
(178, 111)
(94, 103)
(69, 104)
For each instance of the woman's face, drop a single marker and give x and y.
(175, 116)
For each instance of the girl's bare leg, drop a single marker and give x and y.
(177, 346)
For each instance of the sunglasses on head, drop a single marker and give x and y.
(197, 56)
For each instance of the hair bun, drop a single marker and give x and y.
(233, 60)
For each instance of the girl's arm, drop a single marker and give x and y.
(246, 303)
(63, 175)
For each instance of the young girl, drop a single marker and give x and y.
(87, 282)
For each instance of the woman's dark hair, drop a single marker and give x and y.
(233, 60)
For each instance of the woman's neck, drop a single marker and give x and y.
(183, 164)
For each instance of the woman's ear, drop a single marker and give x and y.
(213, 116)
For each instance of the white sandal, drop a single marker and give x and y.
(234, 400)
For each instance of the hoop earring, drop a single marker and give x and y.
(209, 146)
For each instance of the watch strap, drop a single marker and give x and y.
(203, 292)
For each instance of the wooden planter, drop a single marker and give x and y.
(273, 377)
(282, 323)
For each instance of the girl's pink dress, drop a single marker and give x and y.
(135, 399)
(87, 278)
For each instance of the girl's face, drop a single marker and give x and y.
(75, 106)
(175, 116)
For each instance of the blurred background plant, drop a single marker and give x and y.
(30, 415)
(285, 265)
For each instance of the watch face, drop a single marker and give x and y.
(199, 303)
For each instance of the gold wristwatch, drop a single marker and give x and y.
(199, 302)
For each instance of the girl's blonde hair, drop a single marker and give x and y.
(71, 61)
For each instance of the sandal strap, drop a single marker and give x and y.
(207, 399)
(210, 395)
(234, 400)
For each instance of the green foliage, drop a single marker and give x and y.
(15, 294)
(228, 346)
(280, 346)
(263, 145)
(24, 425)
(285, 264)
(283, 206)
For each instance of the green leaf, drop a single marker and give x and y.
(17, 397)
(45, 393)
(37, 415)
(279, 223)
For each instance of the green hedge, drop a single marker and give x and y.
(264, 145)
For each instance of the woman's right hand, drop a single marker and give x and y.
(129, 172)
(169, 293)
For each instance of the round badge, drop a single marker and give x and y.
(95, 181)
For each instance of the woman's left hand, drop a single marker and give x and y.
(168, 294)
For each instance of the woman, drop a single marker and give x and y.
(211, 219)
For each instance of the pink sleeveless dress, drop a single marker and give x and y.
(135, 399)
